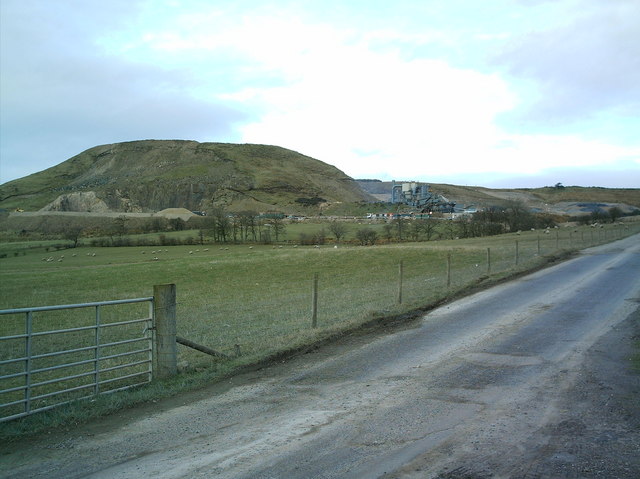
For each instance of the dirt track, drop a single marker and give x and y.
(530, 379)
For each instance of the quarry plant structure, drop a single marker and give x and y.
(419, 195)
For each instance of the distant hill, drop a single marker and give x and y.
(152, 175)
(569, 200)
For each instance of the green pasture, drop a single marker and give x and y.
(258, 297)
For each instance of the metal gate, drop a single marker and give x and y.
(43, 366)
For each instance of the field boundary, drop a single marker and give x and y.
(88, 372)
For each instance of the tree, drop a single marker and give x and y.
(338, 229)
(218, 225)
(366, 236)
(615, 213)
(518, 216)
(72, 231)
(428, 228)
(247, 224)
(400, 224)
(278, 227)
(388, 231)
(120, 226)
(178, 224)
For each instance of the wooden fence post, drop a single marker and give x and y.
(488, 260)
(400, 273)
(517, 253)
(448, 270)
(164, 315)
(538, 245)
(314, 301)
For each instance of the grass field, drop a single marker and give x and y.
(259, 297)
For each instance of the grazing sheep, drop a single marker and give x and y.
(190, 252)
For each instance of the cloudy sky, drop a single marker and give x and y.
(501, 93)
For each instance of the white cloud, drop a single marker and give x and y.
(405, 89)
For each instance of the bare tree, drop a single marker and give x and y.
(338, 229)
(72, 231)
(366, 236)
(615, 213)
(278, 227)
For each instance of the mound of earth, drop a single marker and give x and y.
(173, 213)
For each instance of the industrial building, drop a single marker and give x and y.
(420, 196)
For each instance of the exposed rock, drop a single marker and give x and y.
(82, 201)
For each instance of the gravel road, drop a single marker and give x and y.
(529, 379)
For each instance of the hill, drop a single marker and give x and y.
(569, 200)
(152, 175)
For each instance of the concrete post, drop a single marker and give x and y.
(164, 315)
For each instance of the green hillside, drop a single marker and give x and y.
(151, 175)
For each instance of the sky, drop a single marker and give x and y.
(500, 93)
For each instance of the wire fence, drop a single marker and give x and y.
(262, 301)
(264, 312)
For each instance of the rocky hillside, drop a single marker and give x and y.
(151, 175)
